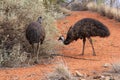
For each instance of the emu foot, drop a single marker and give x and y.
(31, 61)
(81, 54)
(36, 62)
(94, 54)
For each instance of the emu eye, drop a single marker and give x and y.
(69, 37)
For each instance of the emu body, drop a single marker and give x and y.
(35, 33)
(85, 28)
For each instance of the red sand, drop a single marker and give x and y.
(107, 50)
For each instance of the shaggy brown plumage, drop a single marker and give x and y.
(86, 28)
(35, 33)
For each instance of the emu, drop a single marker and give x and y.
(35, 33)
(85, 28)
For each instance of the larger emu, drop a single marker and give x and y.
(35, 33)
(85, 28)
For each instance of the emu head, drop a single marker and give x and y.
(69, 38)
(61, 38)
(39, 19)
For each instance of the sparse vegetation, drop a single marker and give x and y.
(78, 5)
(104, 10)
(116, 14)
(108, 12)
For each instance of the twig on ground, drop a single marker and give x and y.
(52, 55)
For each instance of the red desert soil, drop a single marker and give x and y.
(107, 50)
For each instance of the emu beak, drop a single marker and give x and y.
(61, 38)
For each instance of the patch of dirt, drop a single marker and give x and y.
(107, 50)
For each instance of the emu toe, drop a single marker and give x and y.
(36, 62)
(81, 54)
(94, 54)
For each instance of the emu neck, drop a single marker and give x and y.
(39, 22)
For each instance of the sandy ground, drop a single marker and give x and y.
(107, 50)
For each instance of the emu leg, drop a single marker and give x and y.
(38, 51)
(33, 50)
(84, 40)
(90, 40)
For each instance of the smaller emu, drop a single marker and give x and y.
(85, 28)
(35, 33)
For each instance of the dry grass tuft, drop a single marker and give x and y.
(61, 72)
(116, 13)
(108, 12)
(101, 9)
(105, 10)
(92, 6)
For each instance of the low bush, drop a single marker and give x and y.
(14, 48)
